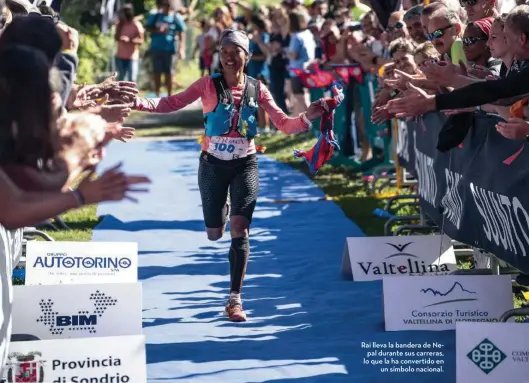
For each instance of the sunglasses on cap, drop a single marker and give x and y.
(472, 40)
(468, 3)
(398, 25)
(437, 34)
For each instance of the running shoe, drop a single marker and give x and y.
(234, 309)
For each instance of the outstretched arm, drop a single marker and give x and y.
(172, 103)
(288, 125)
(20, 209)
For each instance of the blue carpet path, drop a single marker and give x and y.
(306, 323)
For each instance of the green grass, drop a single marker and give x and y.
(339, 183)
(81, 222)
(168, 131)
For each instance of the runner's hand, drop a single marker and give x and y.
(315, 110)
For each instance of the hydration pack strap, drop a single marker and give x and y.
(223, 93)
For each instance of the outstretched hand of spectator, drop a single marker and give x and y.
(381, 115)
(413, 103)
(87, 97)
(480, 72)
(382, 97)
(120, 133)
(112, 185)
(123, 91)
(400, 81)
(514, 129)
(69, 37)
(443, 73)
(112, 113)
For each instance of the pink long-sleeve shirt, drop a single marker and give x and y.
(237, 145)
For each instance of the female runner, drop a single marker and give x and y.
(228, 161)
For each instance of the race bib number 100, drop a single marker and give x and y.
(228, 148)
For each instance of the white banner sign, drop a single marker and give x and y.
(77, 311)
(50, 263)
(438, 303)
(492, 352)
(372, 258)
(119, 359)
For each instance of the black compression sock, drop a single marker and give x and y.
(239, 253)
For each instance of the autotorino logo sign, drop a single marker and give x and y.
(26, 368)
(434, 313)
(402, 260)
(83, 320)
(65, 261)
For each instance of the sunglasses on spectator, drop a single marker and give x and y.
(398, 25)
(468, 3)
(472, 40)
(437, 34)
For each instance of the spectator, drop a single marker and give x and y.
(318, 10)
(425, 52)
(498, 45)
(358, 9)
(516, 32)
(475, 45)
(279, 43)
(166, 27)
(129, 36)
(259, 38)
(258, 65)
(444, 31)
(480, 9)
(397, 27)
(200, 49)
(412, 18)
(401, 51)
(301, 52)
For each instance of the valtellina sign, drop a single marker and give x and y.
(438, 303)
(372, 258)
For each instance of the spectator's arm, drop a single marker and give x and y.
(264, 46)
(21, 209)
(485, 92)
(150, 24)
(30, 179)
(141, 35)
(117, 34)
(67, 65)
(293, 48)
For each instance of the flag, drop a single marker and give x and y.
(324, 148)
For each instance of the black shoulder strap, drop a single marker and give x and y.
(223, 93)
(252, 91)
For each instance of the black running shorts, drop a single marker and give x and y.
(216, 177)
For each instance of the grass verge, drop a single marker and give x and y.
(81, 223)
(167, 131)
(339, 183)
